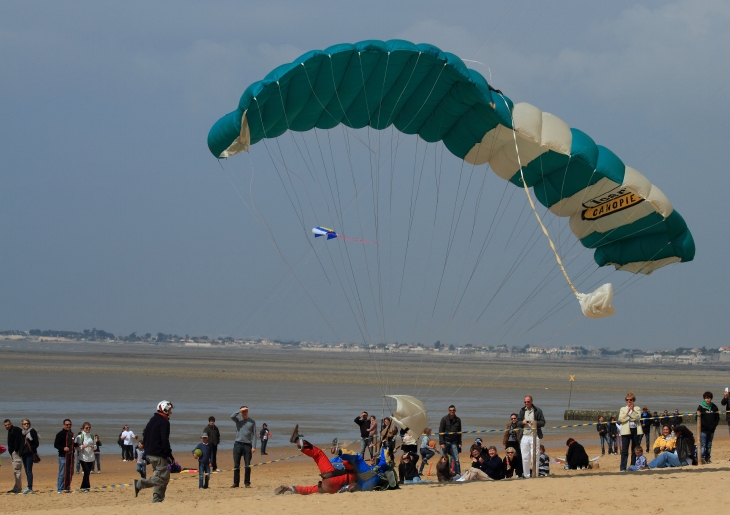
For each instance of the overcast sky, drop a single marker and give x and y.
(114, 214)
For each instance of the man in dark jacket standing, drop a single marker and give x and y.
(214, 438)
(532, 420)
(451, 443)
(64, 444)
(156, 438)
(15, 445)
(363, 421)
(709, 418)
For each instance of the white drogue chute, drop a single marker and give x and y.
(410, 413)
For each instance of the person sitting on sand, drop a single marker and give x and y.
(443, 469)
(407, 470)
(493, 463)
(640, 463)
(511, 466)
(576, 457)
(478, 465)
(664, 450)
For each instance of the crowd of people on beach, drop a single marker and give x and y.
(374, 467)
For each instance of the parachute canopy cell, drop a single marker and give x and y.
(421, 90)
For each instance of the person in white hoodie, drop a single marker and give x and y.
(85, 446)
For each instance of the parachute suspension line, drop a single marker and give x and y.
(495, 28)
(411, 211)
(359, 219)
(437, 178)
(375, 189)
(377, 196)
(452, 235)
(513, 267)
(532, 205)
(468, 248)
(308, 241)
(291, 270)
(446, 257)
(357, 208)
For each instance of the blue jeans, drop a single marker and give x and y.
(414, 480)
(28, 464)
(203, 474)
(142, 469)
(452, 449)
(706, 444)
(612, 445)
(647, 435)
(628, 443)
(632, 468)
(604, 442)
(665, 459)
(61, 467)
(97, 457)
(426, 454)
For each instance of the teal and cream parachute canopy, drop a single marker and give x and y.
(421, 90)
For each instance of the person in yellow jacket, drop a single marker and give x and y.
(664, 443)
(631, 433)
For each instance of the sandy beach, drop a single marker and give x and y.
(282, 389)
(602, 490)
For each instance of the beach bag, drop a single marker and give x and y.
(36, 458)
(174, 468)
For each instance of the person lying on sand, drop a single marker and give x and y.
(348, 471)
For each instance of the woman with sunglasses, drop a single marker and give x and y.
(86, 445)
(631, 433)
(512, 436)
(30, 449)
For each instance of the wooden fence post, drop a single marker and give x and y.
(698, 440)
(534, 451)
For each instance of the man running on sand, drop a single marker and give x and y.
(156, 437)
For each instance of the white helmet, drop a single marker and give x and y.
(165, 407)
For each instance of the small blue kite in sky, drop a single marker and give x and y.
(330, 233)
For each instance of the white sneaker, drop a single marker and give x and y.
(124, 460)
(460, 479)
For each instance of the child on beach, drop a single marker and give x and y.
(426, 451)
(543, 467)
(141, 457)
(612, 436)
(602, 429)
(202, 454)
(640, 460)
(97, 454)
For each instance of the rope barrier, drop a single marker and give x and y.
(585, 424)
(194, 473)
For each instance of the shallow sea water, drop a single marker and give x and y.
(109, 399)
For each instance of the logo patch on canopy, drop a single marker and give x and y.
(609, 203)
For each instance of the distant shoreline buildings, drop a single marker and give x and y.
(678, 355)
